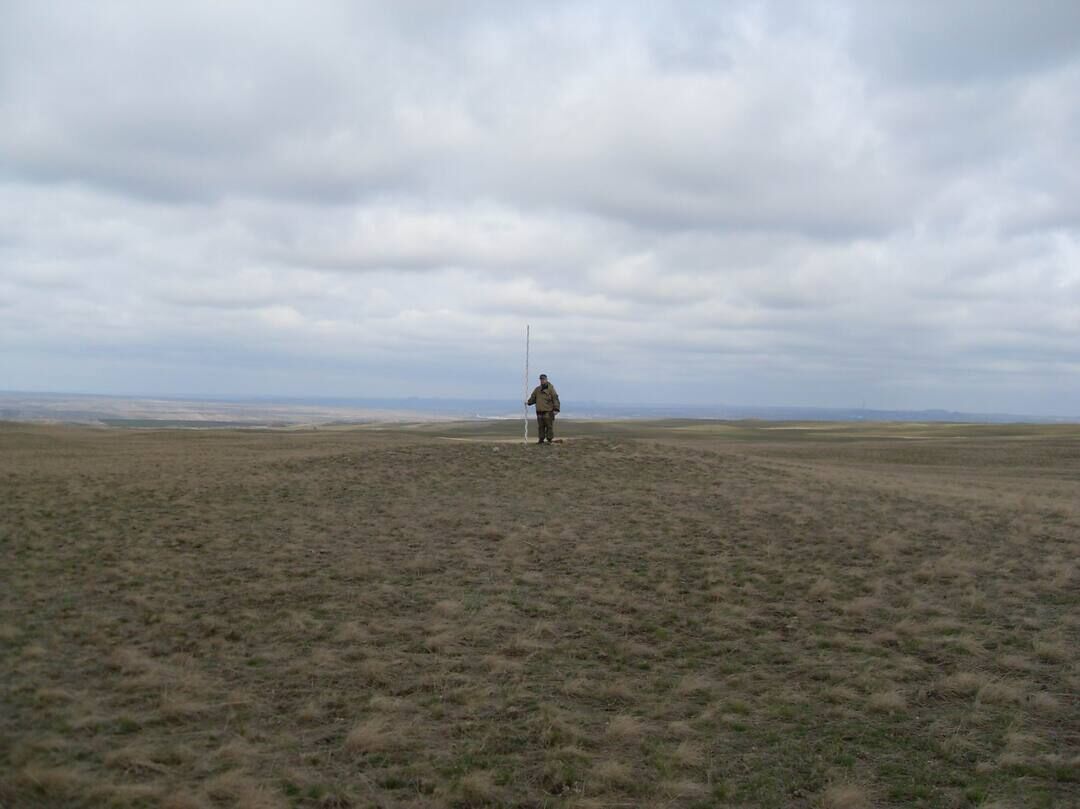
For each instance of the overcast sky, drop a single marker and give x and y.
(753, 203)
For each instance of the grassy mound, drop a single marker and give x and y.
(386, 618)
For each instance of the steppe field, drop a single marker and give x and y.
(664, 614)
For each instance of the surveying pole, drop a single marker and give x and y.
(526, 382)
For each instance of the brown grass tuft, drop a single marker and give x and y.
(863, 605)
(34, 651)
(375, 735)
(523, 646)
(613, 774)
(51, 695)
(128, 660)
(962, 683)
(178, 706)
(376, 672)
(1018, 742)
(625, 728)
(351, 632)
(823, 589)
(134, 759)
(449, 607)
(616, 691)
(1016, 662)
(1047, 705)
(478, 788)
(688, 754)
(243, 792)
(685, 789)
(1000, 692)
(562, 770)
(891, 700)
(890, 544)
(556, 730)
(502, 666)
(123, 795)
(846, 796)
(237, 751)
(310, 711)
(681, 729)
(841, 695)
(1051, 651)
(381, 703)
(184, 800)
(49, 743)
(442, 642)
(694, 684)
(52, 782)
(968, 645)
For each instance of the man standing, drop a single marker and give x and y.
(547, 405)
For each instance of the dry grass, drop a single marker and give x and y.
(478, 789)
(846, 796)
(687, 616)
(376, 735)
(891, 700)
(625, 729)
(614, 774)
(962, 683)
(689, 754)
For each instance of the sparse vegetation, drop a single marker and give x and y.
(687, 615)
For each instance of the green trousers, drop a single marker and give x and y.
(546, 423)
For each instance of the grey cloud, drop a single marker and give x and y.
(249, 288)
(683, 149)
(426, 237)
(966, 40)
(171, 103)
(779, 141)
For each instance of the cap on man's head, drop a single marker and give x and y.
(543, 376)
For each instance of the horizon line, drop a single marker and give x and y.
(317, 398)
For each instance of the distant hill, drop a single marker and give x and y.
(208, 412)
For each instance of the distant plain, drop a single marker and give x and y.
(660, 613)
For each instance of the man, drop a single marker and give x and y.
(547, 405)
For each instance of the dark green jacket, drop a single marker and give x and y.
(545, 398)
